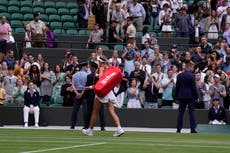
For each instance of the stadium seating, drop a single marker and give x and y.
(28, 17)
(138, 34)
(56, 25)
(68, 25)
(8, 15)
(38, 9)
(73, 11)
(66, 18)
(71, 5)
(44, 17)
(13, 9)
(119, 48)
(75, 18)
(63, 11)
(53, 18)
(59, 31)
(26, 4)
(19, 30)
(71, 32)
(4, 3)
(83, 32)
(104, 47)
(49, 4)
(14, 3)
(38, 4)
(16, 24)
(26, 9)
(17, 16)
(50, 11)
(60, 5)
(3, 8)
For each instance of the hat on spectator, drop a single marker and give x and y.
(217, 76)
(174, 46)
(93, 64)
(80, 65)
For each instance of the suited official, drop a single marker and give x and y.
(90, 95)
(83, 14)
(186, 94)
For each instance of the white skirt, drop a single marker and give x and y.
(166, 28)
(109, 97)
(133, 103)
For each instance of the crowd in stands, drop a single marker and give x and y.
(149, 74)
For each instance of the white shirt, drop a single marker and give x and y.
(147, 68)
(137, 10)
(145, 38)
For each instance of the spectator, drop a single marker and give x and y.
(226, 33)
(205, 45)
(183, 23)
(151, 87)
(73, 67)
(35, 76)
(120, 16)
(95, 37)
(40, 60)
(157, 56)
(130, 32)
(67, 92)
(5, 31)
(145, 36)
(217, 90)
(57, 79)
(166, 21)
(68, 59)
(50, 37)
(98, 9)
(83, 14)
(147, 51)
(200, 90)
(154, 13)
(27, 37)
(137, 12)
(206, 96)
(31, 104)
(4, 70)
(9, 83)
(138, 74)
(30, 62)
(165, 63)
(113, 37)
(38, 31)
(46, 87)
(167, 84)
(18, 93)
(133, 94)
(217, 113)
(2, 94)
(115, 60)
(165, 10)
(10, 60)
(211, 26)
(224, 18)
(145, 66)
(195, 33)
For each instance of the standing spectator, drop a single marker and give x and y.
(200, 90)
(195, 33)
(186, 93)
(147, 51)
(18, 93)
(73, 67)
(167, 84)
(27, 37)
(154, 13)
(120, 16)
(145, 66)
(130, 32)
(113, 37)
(137, 11)
(138, 74)
(67, 92)
(31, 104)
(226, 33)
(9, 83)
(133, 94)
(83, 14)
(205, 45)
(145, 36)
(217, 113)
(57, 79)
(224, 18)
(90, 96)
(30, 62)
(95, 37)
(35, 76)
(46, 85)
(5, 31)
(10, 60)
(115, 60)
(151, 91)
(165, 63)
(78, 84)
(211, 25)
(217, 90)
(165, 9)
(50, 37)
(128, 61)
(206, 96)
(38, 31)
(40, 60)
(166, 20)
(183, 23)
(98, 9)
(3, 70)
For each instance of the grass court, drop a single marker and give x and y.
(73, 141)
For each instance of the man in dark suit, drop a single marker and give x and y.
(90, 95)
(186, 94)
(83, 15)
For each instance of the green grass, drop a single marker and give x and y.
(29, 140)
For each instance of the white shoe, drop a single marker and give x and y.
(119, 133)
(26, 125)
(87, 132)
(36, 125)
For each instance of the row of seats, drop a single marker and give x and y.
(47, 4)
(48, 11)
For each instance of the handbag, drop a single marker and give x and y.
(11, 39)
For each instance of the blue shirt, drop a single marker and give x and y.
(147, 53)
(167, 92)
(80, 79)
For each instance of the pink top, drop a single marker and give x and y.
(4, 31)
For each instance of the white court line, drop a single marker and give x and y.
(62, 148)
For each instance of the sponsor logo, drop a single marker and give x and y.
(104, 81)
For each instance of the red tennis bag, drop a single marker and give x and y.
(109, 79)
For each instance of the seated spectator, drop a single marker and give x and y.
(50, 37)
(3, 70)
(31, 104)
(10, 60)
(18, 93)
(2, 94)
(217, 113)
(133, 94)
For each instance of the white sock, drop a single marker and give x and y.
(119, 128)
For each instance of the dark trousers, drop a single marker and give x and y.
(77, 103)
(90, 103)
(182, 107)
